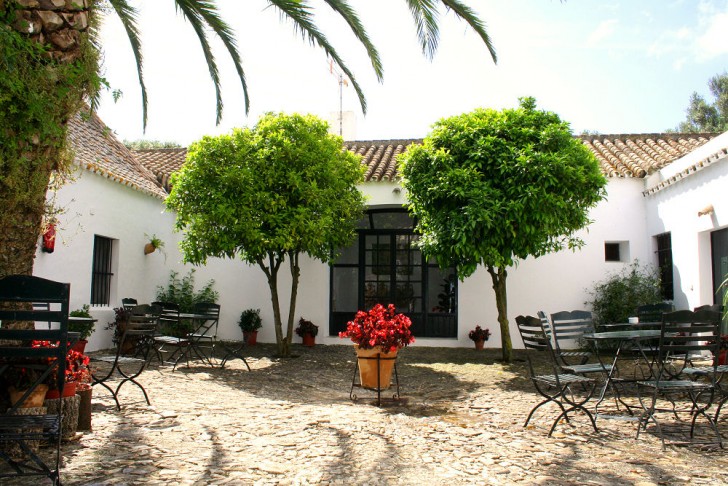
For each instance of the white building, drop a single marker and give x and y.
(658, 183)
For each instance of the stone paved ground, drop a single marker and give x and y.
(290, 421)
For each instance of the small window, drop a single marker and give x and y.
(611, 252)
(101, 272)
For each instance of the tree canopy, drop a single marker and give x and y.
(280, 189)
(493, 187)
(702, 116)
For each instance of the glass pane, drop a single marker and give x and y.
(443, 291)
(392, 220)
(376, 293)
(346, 283)
(349, 255)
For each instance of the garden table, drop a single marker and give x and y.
(636, 339)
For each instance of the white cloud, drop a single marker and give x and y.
(602, 32)
(714, 40)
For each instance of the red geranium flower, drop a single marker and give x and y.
(379, 327)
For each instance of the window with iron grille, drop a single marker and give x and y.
(101, 272)
(664, 264)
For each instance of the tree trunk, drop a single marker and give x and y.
(501, 302)
(271, 272)
(295, 275)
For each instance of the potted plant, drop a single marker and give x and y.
(308, 331)
(153, 244)
(121, 317)
(378, 335)
(18, 379)
(479, 336)
(249, 323)
(84, 326)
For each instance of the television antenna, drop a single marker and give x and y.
(342, 82)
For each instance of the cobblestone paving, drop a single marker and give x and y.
(290, 421)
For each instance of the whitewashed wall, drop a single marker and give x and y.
(675, 209)
(96, 205)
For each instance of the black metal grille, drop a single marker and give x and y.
(664, 263)
(101, 273)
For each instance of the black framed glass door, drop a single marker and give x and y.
(385, 266)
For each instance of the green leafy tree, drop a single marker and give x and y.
(267, 194)
(708, 117)
(49, 64)
(493, 187)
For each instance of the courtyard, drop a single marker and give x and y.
(291, 421)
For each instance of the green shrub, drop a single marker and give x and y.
(85, 329)
(250, 320)
(616, 298)
(182, 291)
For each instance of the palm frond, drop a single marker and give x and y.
(209, 13)
(352, 19)
(466, 13)
(128, 16)
(300, 13)
(424, 14)
(190, 10)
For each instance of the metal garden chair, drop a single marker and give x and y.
(554, 386)
(682, 334)
(140, 329)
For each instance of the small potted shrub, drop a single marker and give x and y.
(479, 336)
(249, 323)
(308, 331)
(83, 327)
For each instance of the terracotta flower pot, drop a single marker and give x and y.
(149, 248)
(69, 390)
(80, 346)
(368, 367)
(479, 344)
(309, 340)
(251, 337)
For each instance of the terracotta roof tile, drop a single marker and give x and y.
(162, 162)
(98, 151)
(638, 155)
(626, 155)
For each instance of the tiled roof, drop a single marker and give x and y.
(162, 162)
(641, 155)
(97, 150)
(629, 155)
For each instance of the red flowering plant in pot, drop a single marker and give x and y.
(378, 335)
(76, 371)
(479, 336)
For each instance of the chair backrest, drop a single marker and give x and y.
(709, 307)
(18, 294)
(211, 310)
(169, 316)
(568, 328)
(141, 326)
(653, 312)
(686, 333)
(534, 338)
(128, 302)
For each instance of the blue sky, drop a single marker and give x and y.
(607, 66)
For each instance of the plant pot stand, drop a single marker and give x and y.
(379, 361)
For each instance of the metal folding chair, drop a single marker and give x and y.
(21, 361)
(140, 329)
(683, 333)
(554, 386)
(173, 346)
(204, 338)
